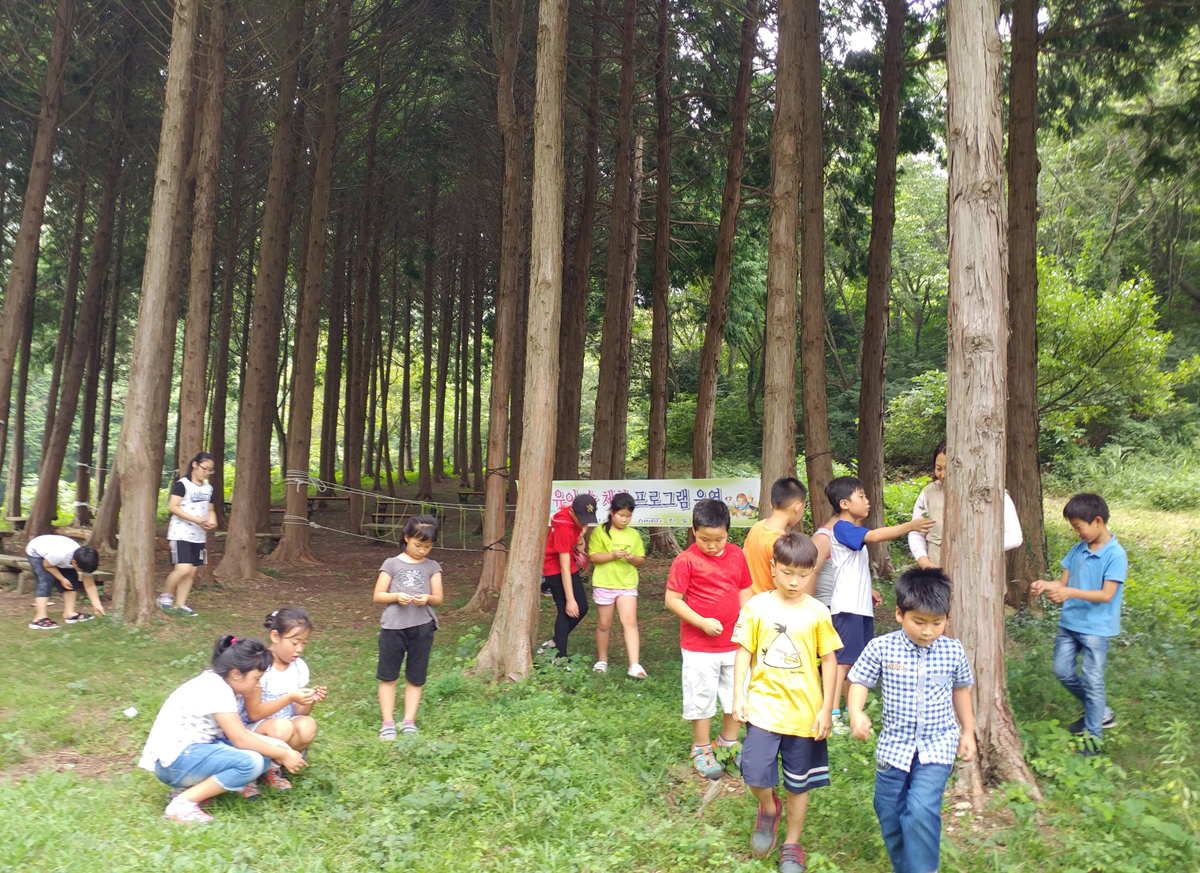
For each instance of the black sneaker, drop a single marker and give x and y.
(80, 617)
(1110, 721)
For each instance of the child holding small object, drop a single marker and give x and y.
(409, 585)
(59, 562)
(281, 704)
(926, 687)
(617, 551)
(198, 743)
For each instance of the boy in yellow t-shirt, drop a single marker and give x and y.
(786, 644)
(788, 499)
(617, 551)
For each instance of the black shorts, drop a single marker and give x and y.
(805, 760)
(416, 642)
(185, 552)
(856, 631)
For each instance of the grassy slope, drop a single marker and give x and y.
(571, 772)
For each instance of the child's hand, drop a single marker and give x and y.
(876, 598)
(419, 599)
(739, 711)
(860, 726)
(711, 626)
(1060, 594)
(966, 747)
(292, 760)
(921, 524)
(926, 564)
(304, 696)
(823, 725)
(209, 524)
(403, 599)
(319, 693)
(572, 609)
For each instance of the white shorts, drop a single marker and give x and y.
(608, 596)
(707, 678)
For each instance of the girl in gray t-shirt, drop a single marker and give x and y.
(408, 585)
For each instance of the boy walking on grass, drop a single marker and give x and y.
(844, 574)
(788, 499)
(707, 586)
(926, 684)
(786, 644)
(1089, 589)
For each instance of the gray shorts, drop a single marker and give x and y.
(47, 582)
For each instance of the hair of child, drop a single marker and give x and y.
(199, 459)
(620, 501)
(786, 491)
(794, 550)
(842, 488)
(1086, 507)
(245, 656)
(926, 591)
(288, 619)
(710, 513)
(940, 450)
(421, 527)
(86, 559)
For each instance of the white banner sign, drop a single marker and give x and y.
(664, 502)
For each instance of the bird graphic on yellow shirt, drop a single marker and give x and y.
(781, 653)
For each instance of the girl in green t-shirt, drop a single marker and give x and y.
(617, 551)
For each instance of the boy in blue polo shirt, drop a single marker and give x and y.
(1089, 590)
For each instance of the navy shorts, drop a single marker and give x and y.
(46, 582)
(394, 645)
(805, 760)
(185, 552)
(856, 631)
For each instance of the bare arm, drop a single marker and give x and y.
(1062, 593)
(741, 666)
(1045, 586)
(860, 723)
(883, 534)
(966, 717)
(564, 567)
(823, 726)
(434, 597)
(822, 544)
(89, 586)
(236, 733)
(382, 582)
(57, 574)
(677, 605)
(258, 709)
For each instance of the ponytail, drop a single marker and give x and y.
(244, 655)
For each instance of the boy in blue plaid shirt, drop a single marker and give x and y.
(926, 684)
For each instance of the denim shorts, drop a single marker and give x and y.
(46, 582)
(233, 768)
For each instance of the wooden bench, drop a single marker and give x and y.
(17, 566)
(313, 500)
(267, 540)
(465, 497)
(17, 521)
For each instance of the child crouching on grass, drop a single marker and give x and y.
(409, 584)
(198, 744)
(926, 684)
(279, 706)
(786, 645)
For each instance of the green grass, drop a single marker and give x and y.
(574, 771)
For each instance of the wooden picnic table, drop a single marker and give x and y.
(314, 499)
(465, 497)
(18, 566)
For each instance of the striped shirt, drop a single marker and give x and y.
(918, 707)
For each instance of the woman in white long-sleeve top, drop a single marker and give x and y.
(927, 547)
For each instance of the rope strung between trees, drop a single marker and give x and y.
(298, 519)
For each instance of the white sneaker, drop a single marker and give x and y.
(165, 601)
(600, 667)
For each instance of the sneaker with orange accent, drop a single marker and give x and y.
(249, 792)
(274, 777)
(792, 858)
(766, 830)
(706, 763)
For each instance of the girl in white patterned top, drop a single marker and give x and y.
(279, 706)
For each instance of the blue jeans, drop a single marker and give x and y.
(233, 768)
(909, 806)
(1088, 685)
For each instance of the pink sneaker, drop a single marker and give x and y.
(186, 812)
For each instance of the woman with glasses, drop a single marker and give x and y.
(192, 517)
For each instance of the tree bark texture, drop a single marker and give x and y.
(445, 326)
(578, 286)
(818, 459)
(872, 401)
(16, 469)
(516, 397)
(192, 395)
(624, 372)
(22, 273)
(251, 494)
(506, 42)
(976, 351)
(661, 539)
(511, 642)
(779, 345)
(476, 376)
(605, 439)
(141, 446)
(336, 339)
(293, 542)
(110, 359)
(424, 475)
(1024, 469)
(66, 313)
(718, 302)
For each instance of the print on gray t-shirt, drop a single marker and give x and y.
(409, 579)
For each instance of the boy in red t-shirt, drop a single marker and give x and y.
(563, 562)
(708, 584)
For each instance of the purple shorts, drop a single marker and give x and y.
(608, 596)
